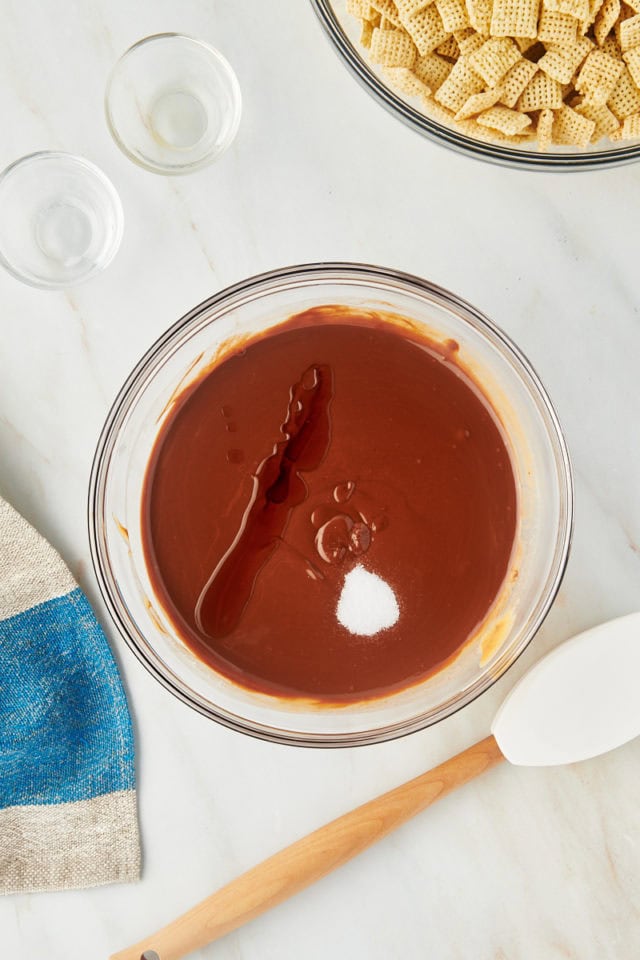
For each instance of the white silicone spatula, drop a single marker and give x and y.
(579, 701)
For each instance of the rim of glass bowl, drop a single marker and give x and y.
(210, 157)
(489, 152)
(232, 297)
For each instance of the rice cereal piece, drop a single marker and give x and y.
(632, 60)
(359, 8)
(540, 92)
(386, 24)
(598, 76)
(604, 22)
(449, 49)
(406, 82)
(453, 14)
(480, 15)
(558, 28)
(631, 127)
(432, 70)
(407, 8)
(515, 18)
(594, 9)
(388, 10)
(571, 129)
(514, 82)
(606, 123)
(574, 8)
(634, 5)
(561, 63)
(366, 33)
(625, 98)
(461, 83)
(494, 59)
(544, 127)
(392, 48)
(630, 33)
(509, 122)
(426, 29)
(468, 41)
(478, 103)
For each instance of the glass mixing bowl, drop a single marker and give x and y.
(344, 30)
(539, 458)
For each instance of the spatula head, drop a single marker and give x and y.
(579, 701)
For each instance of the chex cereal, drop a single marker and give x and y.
(392, 48)
(541, 91)
(505, 120)
(515, 18)
(561, 29)
(461, 83)
(514, 82)
(630, 33)
(477, 103)
(453, 14)
(561, 63)
(571, 128)
(632, 60)
(480, 15)
(559, 72)
(494, 59)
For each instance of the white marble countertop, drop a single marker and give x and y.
(522, 865)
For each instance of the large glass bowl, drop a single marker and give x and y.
(538, 453)
(344, 29)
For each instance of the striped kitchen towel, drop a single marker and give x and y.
(68, 813)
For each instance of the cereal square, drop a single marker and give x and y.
(407, 82)
(572, 129)
(541, 91)
(432, 70)
(461, 83)
(477, 103)
(561, 63)
(407, 8)
(468, 41)
(494, 59)
(426, 29)
(631, 127)
(453, 14)
(630, 33)
(392, 48)
(515, 18)
(598, 76)
(544, 129)
(574, 8)
(366, 33)
(514, 82)
(606, 123)
(558, 28)
(449, 49)
(509, 122)
(632, 59)
(604, 22)
(388, 10)
(480, 15)
(625, 98)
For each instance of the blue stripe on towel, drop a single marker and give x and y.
(65, 731)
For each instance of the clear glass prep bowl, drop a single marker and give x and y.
(539, 457)
(343, 30)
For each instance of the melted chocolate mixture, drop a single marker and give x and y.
(332, 448)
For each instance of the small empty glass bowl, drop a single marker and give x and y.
(61, 220)
(173, 104)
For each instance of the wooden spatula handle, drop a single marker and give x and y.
(310, 858)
